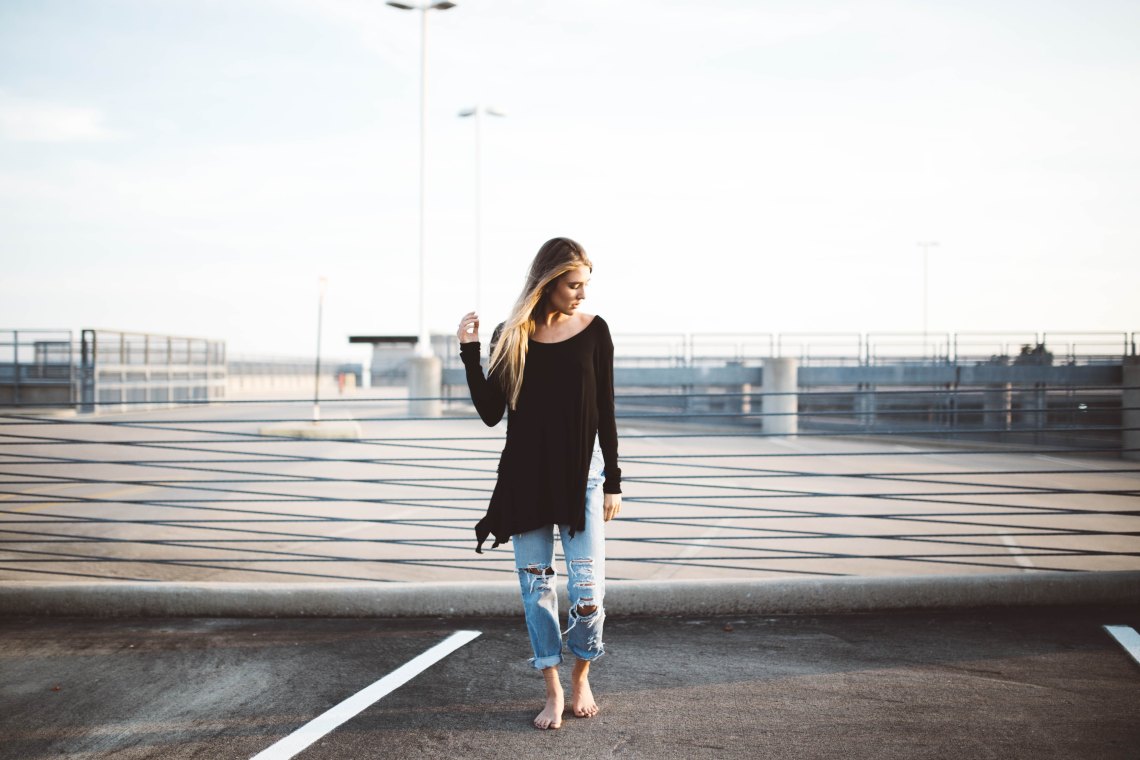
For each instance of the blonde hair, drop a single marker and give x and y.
(555, 258)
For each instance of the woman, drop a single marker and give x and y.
(552, 367)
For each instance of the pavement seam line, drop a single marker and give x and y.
(366, 697)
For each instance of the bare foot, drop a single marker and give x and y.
(551, 715)
(581, 697)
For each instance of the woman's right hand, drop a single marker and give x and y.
(469, 328)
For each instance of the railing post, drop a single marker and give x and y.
(87, 372)
(71, 389)
(781, 410)
(1130, 402)
(124, 359)
(16, 367)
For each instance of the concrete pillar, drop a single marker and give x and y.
(865, 405)
(997, 407)
(780, 376)
(746, 400)
(1026, 418)
(1036, 400)
(953, 406)
(1130, 401)
(425, 379)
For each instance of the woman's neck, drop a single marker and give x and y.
(552, 318)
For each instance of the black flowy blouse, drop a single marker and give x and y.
(566, 400)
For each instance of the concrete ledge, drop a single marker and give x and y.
(705, 597)
(37, 411)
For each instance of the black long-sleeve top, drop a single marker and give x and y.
(566, 400)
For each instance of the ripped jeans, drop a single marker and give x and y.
(586, 563)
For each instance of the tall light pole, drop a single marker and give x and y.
(423, 347)
(477, 112)
(925, 245)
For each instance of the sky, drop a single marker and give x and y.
(194, 167)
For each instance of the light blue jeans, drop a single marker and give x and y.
(585, 554)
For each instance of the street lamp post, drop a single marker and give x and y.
(477, 112)
(925, 245)
(423, 347)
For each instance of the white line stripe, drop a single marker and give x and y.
(1017, 552)
(697, 546)
(1127, 638)
(334, 716)
(1067, 462)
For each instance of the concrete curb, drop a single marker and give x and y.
(702, 597)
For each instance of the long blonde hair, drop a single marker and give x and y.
(555, 258)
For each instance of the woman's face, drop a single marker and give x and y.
(569, 290)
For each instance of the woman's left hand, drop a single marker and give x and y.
(611, 506)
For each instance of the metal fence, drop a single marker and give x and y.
(225, 491)
(37, 368)
(47, 368)
(118, 369)
(860, 349)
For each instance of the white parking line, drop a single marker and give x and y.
(349, 708)
(1127, 637)
(793, 445)
(1067, 462)
(695, 548)
(1017, 552)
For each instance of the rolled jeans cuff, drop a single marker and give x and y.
(542, 663)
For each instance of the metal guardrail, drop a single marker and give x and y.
(812, 349)
(211, 493)
(121, 368)
(860, 349)
(37, 367)
(46, 367)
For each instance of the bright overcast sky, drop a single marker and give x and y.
(193, 166)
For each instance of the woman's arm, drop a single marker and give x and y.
(607, 422)
(486, 392)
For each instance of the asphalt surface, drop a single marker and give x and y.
(985, 684)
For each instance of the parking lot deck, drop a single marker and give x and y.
(1045, 683)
